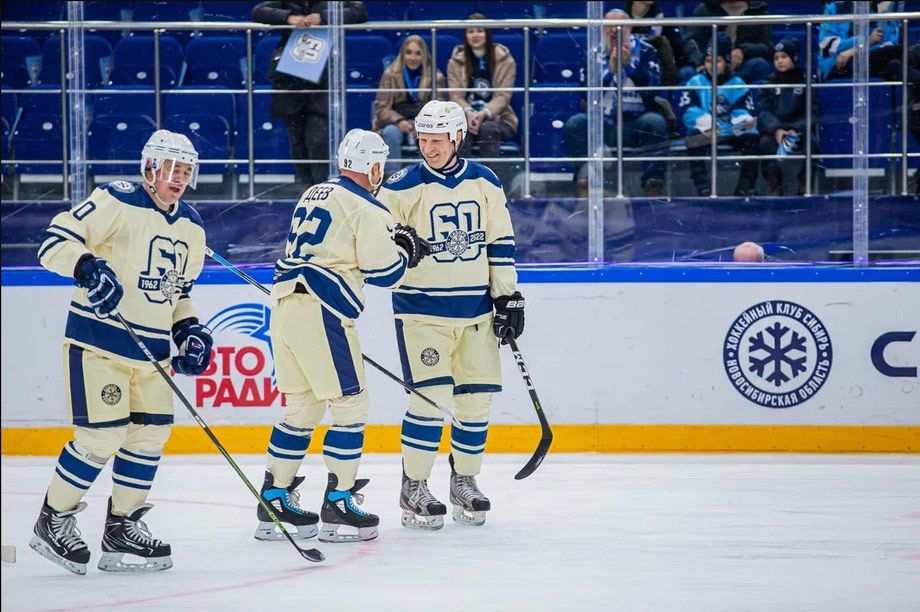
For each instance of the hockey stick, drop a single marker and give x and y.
(546, 437)
(310, 554)
(216, 257)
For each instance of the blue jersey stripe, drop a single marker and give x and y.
(341, 354)
(95, 333)
(500, 250)
(449, 306)
(136, 326)
(461, 389)
(64, 230)
(403, 355)
(77, 388)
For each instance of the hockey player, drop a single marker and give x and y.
(445, 327)
(341, 237)
(138, 248)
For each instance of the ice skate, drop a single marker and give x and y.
(340, 510)
(58, 539)
(470, 505)
(286, 504)
(129, 535)
(421, 509)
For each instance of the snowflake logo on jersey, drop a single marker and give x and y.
(458, 242)
(777, 354)
(430, 357)
(455, 231)
(111, 394)
(398, 175)
(169, 283)
(122, 186)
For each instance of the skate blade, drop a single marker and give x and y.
(424, 523)
(330, 533)
(268, 532)
(115, 562)
(470, 518)
(41, 547)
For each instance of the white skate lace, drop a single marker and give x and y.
(139, 532)
(421, 495)
(293, 499)
(65, 531)
(466, 488)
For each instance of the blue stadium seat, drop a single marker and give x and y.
(515, 43)
(38, 137)
(835, 106)
(110, 11)
(117, 137)
(218, 103)
(446, 43)
(431, 11)
(561, 9)
(133, 61)
(504, 10)
(551, 111)
(123, 99)
(560, 58)
(167, 11)
(360, 110)
(9, 107)
(227, 11)
(388, 11)
(262, 58)
(98, 63)
(40, 99)
(270, 137)
(21, 61)
(34, 11)
(215, 60)
(209, 134)
(364, 56)
(5, 144)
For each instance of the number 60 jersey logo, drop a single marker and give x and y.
(455, 231)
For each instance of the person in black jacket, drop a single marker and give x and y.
(305, 114)
(781, 119)
(752, 44)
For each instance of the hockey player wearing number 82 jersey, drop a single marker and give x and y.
(449, 311)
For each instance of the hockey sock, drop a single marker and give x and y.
(286, 450)
(467, 442)
(73, 476)
(132, 477)
(342, 451)
(421, 436)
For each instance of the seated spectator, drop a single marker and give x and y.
(394, 112)
(752, 45)
(748, 252)
(837, 45)
(781, 119)
(481, 65)
(665, 39)
(642, 126)
(736, 126)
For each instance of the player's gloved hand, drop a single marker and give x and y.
(509, 316)
(103, 289)
(194, 342)
(408, 240)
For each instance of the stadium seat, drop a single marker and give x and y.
(227, 11)
(21, 61)
(5, 144)
(550, 112)
(262, 58)
(133, 61)
(9, 107)
(38, 137)
(433, 11)
(209, 134)
(40, 99)
(360, 110)
(515, 43)
(364, 56)
(572, 10)
(215, 60)
(123, 99)
(167, 11)
(560, 58)
(270, 137)
(117, 137)
(836, 132)
(446, 43)
(219, 103)
(34, 11)
(98, 64)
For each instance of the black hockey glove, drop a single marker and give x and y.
(509, 316)
(194, 342)
(408, 240)
(103, 289)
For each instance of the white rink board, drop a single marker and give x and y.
(603, 352)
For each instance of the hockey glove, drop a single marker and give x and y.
(509, 316)
(194, 342)
(103, 289)
(408, 240)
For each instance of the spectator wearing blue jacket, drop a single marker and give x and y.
(642, 126)
(837, 44)
(734, 119)
(781, 118)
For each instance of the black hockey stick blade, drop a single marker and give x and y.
(538, 456)
(311, 554)
(546, 435)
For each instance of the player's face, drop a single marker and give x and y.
(172, 179)
(782, 62)
(412, 56)
(437, 149)
(476, 37)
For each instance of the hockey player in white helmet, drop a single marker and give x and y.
(445, 325)
(138, 248)
(341, 237)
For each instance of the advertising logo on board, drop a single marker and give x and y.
(777, 354)
(889, 363)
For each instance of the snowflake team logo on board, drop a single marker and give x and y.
(777, 354)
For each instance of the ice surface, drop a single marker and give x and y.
(585, 532)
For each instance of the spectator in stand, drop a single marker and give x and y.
(665, 39)
(642, 126)
(752, 45)
(394, 112)
(748, 252)
(480, 65)
(735, 123)
(781, 119)
(913, 109)
(837, 45)
(306, 115)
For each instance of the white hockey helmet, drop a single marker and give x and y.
(360, 150)
(438, 117)
(163, 146)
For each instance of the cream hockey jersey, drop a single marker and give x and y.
(465, 218)
(340, 238)
(155, 255)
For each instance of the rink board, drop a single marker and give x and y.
(625, 358)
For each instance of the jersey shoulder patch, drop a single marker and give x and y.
(477, 170)
(406, 178)
(122, 186)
